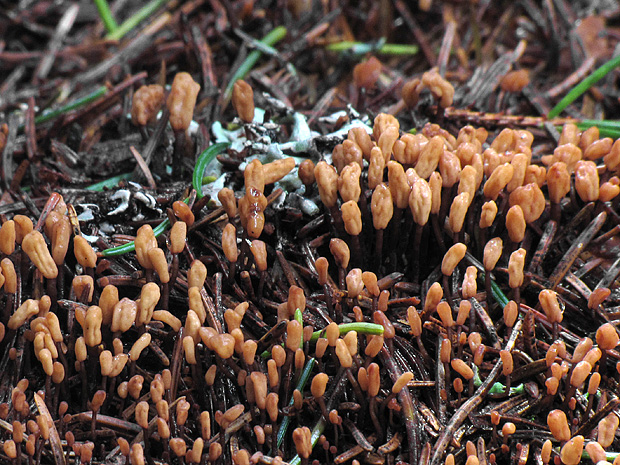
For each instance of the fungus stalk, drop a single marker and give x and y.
(420, 204)
(259, 252)
(352, 218)
(229, 245)
(321, 266)
(176, 245)
(507, 368)
(95, 405)
(516, 265)
(400, 189)
(549, 302)
(607, 339)
(451, 259)
(382, 208)
(415, 323)
(492, 253)
(181, 102)
(342, 255)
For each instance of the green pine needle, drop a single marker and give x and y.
(606, 128)
(206, 157)
(109, 183)
(142, 14)
(106, 15)
(362, 48)
(584, 85)
(50, 115)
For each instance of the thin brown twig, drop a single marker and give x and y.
(144, 167)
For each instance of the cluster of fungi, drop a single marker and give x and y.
(417, 318)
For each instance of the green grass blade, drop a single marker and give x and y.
(583, 86)
(106, 15)
(204, 159)
(610, 128)
(50, 115)
(360, 328)
(498, 295)
(361, 48)
(146, 11)
(607, 124)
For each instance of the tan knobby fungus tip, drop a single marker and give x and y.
(452, 258)
(243, 100)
